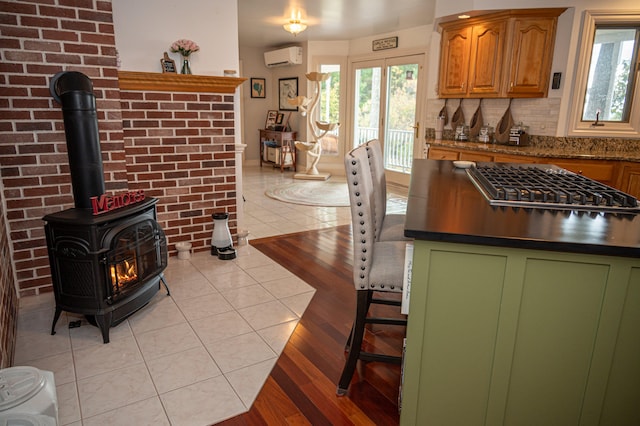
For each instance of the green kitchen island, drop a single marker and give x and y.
(518, 316)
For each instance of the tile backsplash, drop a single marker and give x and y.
(540, 114)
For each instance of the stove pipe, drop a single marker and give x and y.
(74, 91)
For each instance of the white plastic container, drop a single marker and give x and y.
(27, 397)
(184, 252)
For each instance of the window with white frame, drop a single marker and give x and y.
(329, 106)
(607, 91)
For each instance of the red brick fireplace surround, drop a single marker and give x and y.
(171, 135)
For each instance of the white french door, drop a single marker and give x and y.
(386, 107)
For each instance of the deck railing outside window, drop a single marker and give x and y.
(398, 147)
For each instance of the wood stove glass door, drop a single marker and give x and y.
(137, 254)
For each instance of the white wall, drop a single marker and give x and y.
(412, 38)
(255, 109)
(144, 30)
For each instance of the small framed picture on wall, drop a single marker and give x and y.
(258, 89)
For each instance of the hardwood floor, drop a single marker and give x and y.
(302, 386)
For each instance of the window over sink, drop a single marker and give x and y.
(606, 90)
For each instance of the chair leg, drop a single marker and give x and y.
(347, 345)
(355, 338)
(368, 305)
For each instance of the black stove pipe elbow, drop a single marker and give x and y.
(74, 91)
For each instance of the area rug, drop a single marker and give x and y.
(311, 193)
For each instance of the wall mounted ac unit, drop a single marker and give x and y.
(283, 57)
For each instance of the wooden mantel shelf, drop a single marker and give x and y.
(170, 82)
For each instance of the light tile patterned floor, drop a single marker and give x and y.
(197, 357)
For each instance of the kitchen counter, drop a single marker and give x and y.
(557, 148)
(444, 205)
(517, 316)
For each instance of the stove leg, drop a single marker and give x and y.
(104, 323)
(56, 316)
(165, 284)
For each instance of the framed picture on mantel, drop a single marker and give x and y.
(168, 64)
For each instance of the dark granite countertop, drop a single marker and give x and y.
(444, 205)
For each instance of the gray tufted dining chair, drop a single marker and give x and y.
(378, 266)
(390, 226)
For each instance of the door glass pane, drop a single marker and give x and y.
(329, 107)
(367, 105)
(402, 83)
(610, 83)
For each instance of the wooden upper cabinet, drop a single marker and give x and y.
(498, 55)
(454, 62)
(487, 55)
(471, 60)
(531, 56)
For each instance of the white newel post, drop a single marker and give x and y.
(239, 151)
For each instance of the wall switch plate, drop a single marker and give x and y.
(556, 80)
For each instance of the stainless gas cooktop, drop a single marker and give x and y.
(548, 187)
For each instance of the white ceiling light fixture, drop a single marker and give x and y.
(295, 26)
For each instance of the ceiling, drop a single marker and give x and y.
(260, 21)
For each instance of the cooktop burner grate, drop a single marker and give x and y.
(546, 186)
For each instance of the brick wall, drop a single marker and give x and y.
(8, 297)
(178, 147)
(39, 40)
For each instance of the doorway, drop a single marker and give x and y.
(386, 107)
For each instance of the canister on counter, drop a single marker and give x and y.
(462, 133)
(440, 122)
(519, 135)
(486, 134)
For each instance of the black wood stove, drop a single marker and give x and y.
(107, 254)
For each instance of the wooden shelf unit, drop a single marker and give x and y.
(284, 145)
